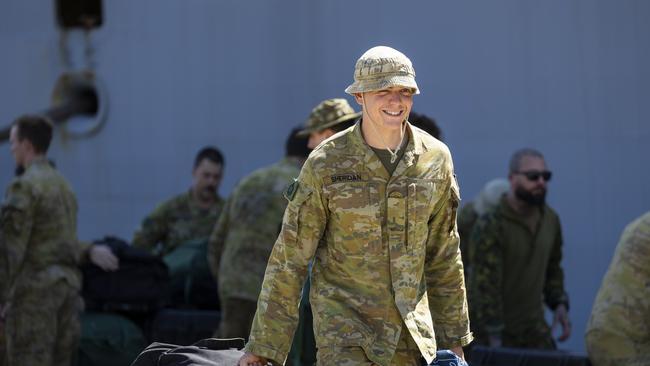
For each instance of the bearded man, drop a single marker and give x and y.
(516, 250)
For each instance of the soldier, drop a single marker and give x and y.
(327, 118)
(486, 200)
(244, 237)
(39, 252)
(375, 207)
(515, 253)
(189, 216)
(618, 332)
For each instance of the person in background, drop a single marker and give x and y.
(486, 200)
(327, 118)
(515, 254)
(618, 332)
(40, 254)
(190, 216)
(245, 233)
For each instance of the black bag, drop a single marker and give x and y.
(141, 283)
(207, 352)
(184, 326)
(503, 356)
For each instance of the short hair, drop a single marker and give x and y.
(426, 123)
(515, 160)
(296, 145)
(343, 125)
(211, 153)
(35, 129)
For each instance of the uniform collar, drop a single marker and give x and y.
(38, 161)
(353, 144)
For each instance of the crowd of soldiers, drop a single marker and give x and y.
(357, 221)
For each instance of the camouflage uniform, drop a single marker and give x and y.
(618, 332)
(177, 221)
(387, 268)
(513, 269)
(485, 201)
(40, 280)
(244, 237)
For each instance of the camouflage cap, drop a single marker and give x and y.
(380, 68)
(328, 113)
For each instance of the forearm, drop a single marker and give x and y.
(277, 312)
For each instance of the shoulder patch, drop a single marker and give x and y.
(291, 190)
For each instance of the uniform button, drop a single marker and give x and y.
(395, 194)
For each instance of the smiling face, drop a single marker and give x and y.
(388, 108)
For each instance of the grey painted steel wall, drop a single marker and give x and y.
(568, 77)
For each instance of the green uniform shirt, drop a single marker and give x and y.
(385, 252)
(177, 221)
(513, 270)
(248, 227)
(618, 332)
(39, 231)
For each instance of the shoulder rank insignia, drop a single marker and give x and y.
(290, 192)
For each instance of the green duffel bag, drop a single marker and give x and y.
(109, 339)
(192, 283)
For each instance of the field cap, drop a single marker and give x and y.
(328, 113)
(380, 68)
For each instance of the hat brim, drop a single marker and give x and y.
(307, 131)
(381, 83)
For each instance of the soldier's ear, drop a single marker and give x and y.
(359, 98)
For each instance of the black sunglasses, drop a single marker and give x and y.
(534, 175)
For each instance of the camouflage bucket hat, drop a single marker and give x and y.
(382, 67)
(328, 113)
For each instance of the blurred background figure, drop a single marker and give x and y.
(618, 332)
(327, 118)
(486, 200)
(190, 216)
(243, 238)
(515, 254)
(40, 254)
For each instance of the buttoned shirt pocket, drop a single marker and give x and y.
(423, 194)
(354, 218)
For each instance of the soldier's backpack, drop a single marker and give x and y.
(207, 352)
(141, 284)
(192, 283)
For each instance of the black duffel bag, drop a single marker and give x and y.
(207, 352)
(141, 283)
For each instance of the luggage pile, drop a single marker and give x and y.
(149, 299)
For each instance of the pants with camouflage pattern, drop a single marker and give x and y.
(406, 354)
(42, 326)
